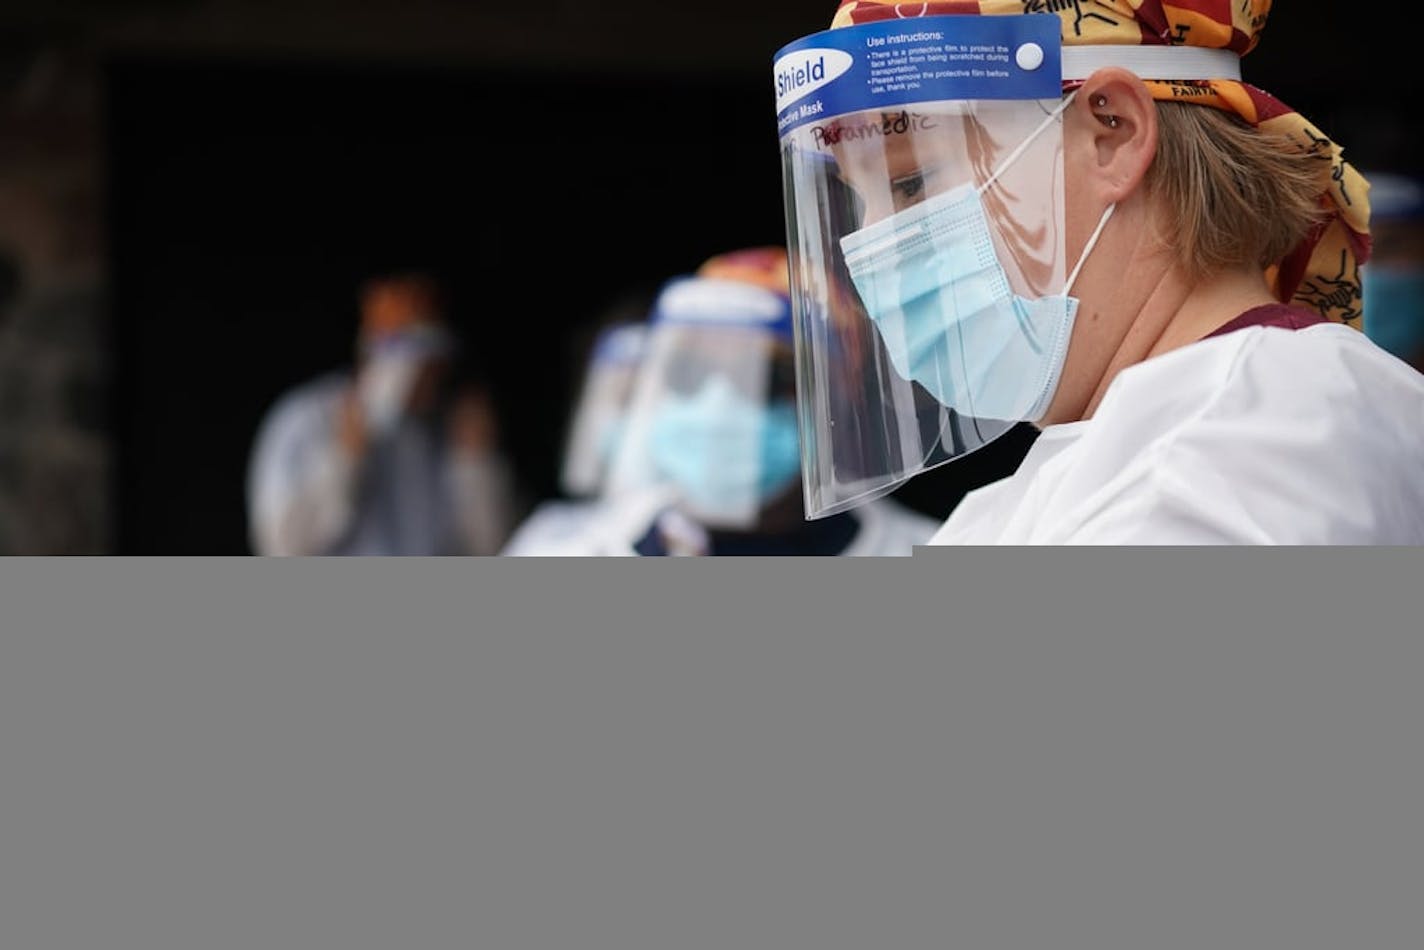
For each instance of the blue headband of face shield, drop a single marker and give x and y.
(423, 341)
(621, 345)
(710, 301)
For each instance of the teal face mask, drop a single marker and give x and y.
(932, 284)
(1394, 308)
(727, 454)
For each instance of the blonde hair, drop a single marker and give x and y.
(1231, 194)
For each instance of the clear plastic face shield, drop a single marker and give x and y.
(923, 176)
(712, 423)
(600, 416)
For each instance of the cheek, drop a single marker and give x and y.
(878, 208)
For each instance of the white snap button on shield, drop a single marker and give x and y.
(1029, 56)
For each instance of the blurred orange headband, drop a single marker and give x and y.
(395, 304)
(765, 267)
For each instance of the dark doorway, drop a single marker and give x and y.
(248, 202)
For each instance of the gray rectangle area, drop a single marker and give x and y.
(1016, 750)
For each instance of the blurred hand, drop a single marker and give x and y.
(351, 431)
(473, 426)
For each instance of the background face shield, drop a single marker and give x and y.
(599, 418)
(712, 423)
(852, 179)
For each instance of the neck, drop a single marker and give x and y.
(1179, 312)
(1168, 311)
(1212, 304)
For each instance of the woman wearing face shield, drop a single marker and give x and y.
(1084, 219)
(709, 461)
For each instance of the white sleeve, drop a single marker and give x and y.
(1157, 504)
(1313, 438)
(302, 486)
(606, 528)
(547, 524)
(1262, 436)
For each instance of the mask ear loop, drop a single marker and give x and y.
(1017, 153)
(1023, 146)
(1014, 156)
(1088, 248)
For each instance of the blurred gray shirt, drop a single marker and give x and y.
(411, 495)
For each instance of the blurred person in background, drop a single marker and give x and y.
(599, 420)
(709, 463)
(1394, 277)
(1117, 240)
(400, 458)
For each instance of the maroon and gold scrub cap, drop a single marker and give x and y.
(1323, 273)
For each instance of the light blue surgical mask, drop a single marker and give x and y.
(932, 283)
(1394, 308)
(727, 454)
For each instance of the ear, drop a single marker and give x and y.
(1119, 117)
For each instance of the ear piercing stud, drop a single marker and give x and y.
(1101, 101)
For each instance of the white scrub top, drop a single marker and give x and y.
(1260, 436)
(552, 523)
(885, 528)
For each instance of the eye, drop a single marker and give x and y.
(915, 187)
(908, 189)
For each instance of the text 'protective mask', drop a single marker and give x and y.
(932, 283)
